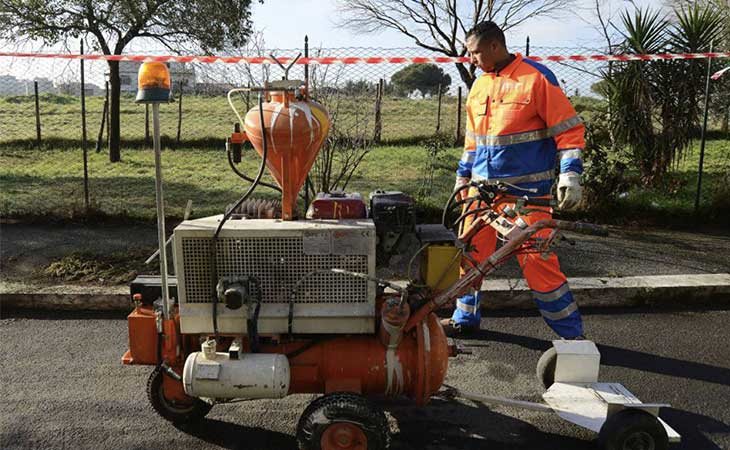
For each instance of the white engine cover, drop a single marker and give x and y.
(282, 256)
(252, 376)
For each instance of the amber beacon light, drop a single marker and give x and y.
(153, 83)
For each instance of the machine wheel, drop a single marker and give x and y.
(633, 430)
(180, 414)
(342, 421)
(546, 367)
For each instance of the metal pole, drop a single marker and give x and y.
(704, 132)
(83, 134)
(160, 209)
(306, 87)
(146, 123)
(179, 114)
(37, 115)
(108, 113)
(306, 66)
(438, 111)
(457, 132)
(527, 46)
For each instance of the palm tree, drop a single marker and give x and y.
(656, 105)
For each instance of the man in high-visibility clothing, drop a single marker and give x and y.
(519, 126)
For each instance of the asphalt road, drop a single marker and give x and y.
(62, 386)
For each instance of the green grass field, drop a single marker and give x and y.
(48, 183)
(206, 119)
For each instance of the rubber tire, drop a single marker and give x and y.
(619, 427)
(342, 407)
(179, 416)
(545, 370)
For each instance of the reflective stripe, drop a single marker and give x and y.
(533, 177)
(466, 308)
(552, 296)
(572, 153)
(470, 135)
(562, 314)
(564, 126)
(528, 136)
(467, 157)
(511, 139)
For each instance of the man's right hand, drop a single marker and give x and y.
(460, 182)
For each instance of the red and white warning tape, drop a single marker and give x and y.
(361, 60)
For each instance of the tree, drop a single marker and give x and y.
(440, 25)
(113, 24)
(657, 105)
(424, 78)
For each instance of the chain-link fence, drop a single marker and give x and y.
(40, 103)
(40, 98)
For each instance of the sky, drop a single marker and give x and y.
(284, 24)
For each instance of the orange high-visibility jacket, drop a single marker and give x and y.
(519, 123)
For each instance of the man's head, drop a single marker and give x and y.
(486, 45)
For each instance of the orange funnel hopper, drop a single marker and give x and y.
(295, 131)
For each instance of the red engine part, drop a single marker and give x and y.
(337, 206)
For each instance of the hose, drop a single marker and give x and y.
(243, 175)
(451, 199)
(226, 216)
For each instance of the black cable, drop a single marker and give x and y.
(451, 199)
(243, 175)
(470, 212)
(253, 322)
(226, 216)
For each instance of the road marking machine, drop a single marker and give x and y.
(265, 304)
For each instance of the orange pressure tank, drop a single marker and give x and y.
(295, 132)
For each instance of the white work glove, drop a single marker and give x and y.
(570, 191)
(461, 181)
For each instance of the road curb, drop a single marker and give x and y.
(500, 294)
(624, 291)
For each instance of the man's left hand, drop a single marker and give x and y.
(570, 191)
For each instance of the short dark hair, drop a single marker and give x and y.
(488, 31)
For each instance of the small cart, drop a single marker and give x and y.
(569, 373)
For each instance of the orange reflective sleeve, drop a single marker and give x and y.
(559, 115)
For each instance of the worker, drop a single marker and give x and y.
(519, 126)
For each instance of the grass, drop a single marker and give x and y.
(205, 118)
(48, 183)
(673, 201)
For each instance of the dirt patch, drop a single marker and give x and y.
(106, 269)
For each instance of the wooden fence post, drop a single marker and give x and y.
(377, 135)
(438, 111)
(83, 134)
(146, 123)
(101, 127)
(37, 115)
(108, 112)
(179, 114)
(457, 132)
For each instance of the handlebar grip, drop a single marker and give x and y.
(589, 228)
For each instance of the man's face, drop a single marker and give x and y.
(484, 53)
